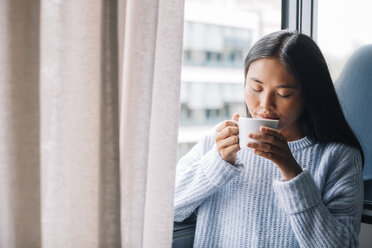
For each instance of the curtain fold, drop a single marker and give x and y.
(19, 124)
(89, 98)
(149, 133)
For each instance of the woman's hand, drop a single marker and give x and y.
(275, 147)
(227, 139)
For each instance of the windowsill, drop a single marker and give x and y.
(183, 232)
(367, 212)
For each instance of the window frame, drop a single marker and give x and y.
(300, 15)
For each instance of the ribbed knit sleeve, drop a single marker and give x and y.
(330, 218)
(199, 174)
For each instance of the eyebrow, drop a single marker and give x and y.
(285, 86)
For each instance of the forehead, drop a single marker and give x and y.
(270, 71)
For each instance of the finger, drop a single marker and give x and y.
(221, 126)
(235, 117)
(229, 150)
(267, 155)
(227, 132)
(266, 138)
(224, 124)
(264, 147)
(232, 140)
(272, 131)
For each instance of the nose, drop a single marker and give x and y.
(267, 101)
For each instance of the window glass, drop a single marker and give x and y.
(343, 27)
(342, 30)
(217, 37)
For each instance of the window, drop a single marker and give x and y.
(344, 31)
(339, 37)
(215, 45)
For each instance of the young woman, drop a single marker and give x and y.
(301, 185)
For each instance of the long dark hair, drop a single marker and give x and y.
(322, 119)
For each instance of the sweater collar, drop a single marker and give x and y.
(299, 144)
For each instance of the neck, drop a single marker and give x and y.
(292, 133)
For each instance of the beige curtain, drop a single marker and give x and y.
(89, 101)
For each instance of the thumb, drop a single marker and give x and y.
(235, 117)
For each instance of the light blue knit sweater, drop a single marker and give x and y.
(252, 206)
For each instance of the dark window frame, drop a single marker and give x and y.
(300, 15)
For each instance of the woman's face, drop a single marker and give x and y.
(271, 92)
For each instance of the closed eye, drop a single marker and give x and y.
(285, 96)
(255, 90)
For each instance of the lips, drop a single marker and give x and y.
(272, 117)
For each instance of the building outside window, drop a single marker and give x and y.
(215, 45)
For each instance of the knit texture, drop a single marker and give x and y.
(250, 205)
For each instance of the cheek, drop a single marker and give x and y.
(292, 111)
(249, 98)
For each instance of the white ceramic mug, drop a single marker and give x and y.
(251, 125)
